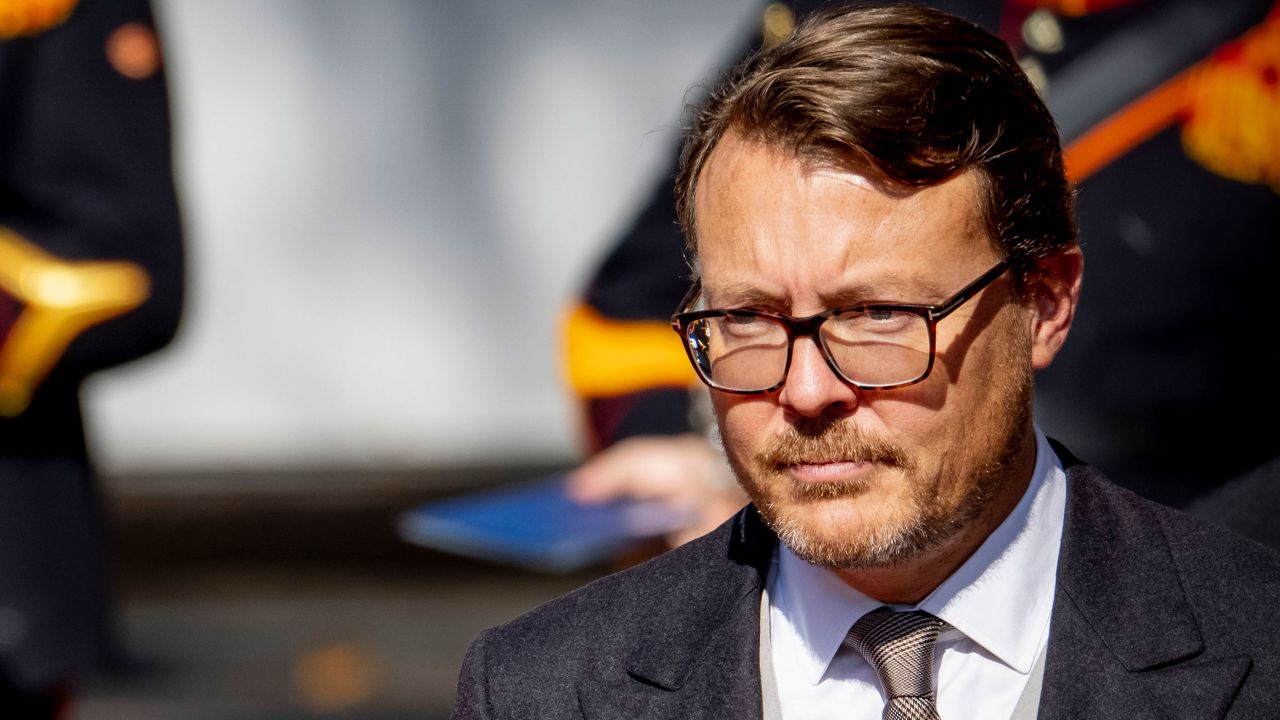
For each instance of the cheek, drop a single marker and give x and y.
(912, 414)
(970, 374)
(744, 422)
(912, 422)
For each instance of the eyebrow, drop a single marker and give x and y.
(743, 295)
(892, 291)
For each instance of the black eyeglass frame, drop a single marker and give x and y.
(809, 326)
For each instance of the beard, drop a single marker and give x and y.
(937, 507)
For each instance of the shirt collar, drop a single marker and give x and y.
(1001, 597)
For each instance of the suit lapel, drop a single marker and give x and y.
(1124, 641)
(703, 662)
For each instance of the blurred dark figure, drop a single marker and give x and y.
(91, 276)
(1170, 117)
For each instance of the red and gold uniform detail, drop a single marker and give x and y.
(19, 18)
(50, 302)
(1126, 129)
(1232, 122)
(1229, 105)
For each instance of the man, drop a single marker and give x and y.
(1167, 114)
(880, 222)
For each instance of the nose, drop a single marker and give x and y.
(812, 388)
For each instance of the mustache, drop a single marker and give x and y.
(830, 442)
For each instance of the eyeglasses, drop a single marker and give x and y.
(870, 346)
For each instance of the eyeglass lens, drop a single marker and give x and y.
(871, 348)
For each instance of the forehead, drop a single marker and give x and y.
(774, 226)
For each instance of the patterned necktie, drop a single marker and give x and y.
(899, 645)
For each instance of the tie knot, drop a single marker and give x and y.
(899, 645)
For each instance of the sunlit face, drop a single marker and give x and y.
(851, 478)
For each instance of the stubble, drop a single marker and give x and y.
(934, 513)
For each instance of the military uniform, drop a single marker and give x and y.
(91, 269)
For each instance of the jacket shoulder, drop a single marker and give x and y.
(1199, 547)
(1158, 613)
(1164, 564)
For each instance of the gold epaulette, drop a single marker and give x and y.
(59, 300)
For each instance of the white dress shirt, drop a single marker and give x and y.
(998, 604)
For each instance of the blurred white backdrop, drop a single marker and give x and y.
(389, 203)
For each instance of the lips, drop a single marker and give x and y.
(827, 471)
(858, 456)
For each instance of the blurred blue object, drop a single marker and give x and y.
(536, 526)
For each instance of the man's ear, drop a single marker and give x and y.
(1053, 289)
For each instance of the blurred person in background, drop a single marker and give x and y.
(1170, 117)
(91, 276)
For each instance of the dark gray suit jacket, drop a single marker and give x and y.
(1157, 615)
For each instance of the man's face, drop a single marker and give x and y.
(851, 478)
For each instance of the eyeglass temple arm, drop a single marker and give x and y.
(689, 297)
(938, 312)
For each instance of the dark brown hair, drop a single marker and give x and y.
(913, 93)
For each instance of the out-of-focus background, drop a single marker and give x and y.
(389, 204)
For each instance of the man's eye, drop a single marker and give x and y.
(880, 321)
(741, 326)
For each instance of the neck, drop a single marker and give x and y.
(909, 582)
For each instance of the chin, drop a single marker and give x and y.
(834, 535)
